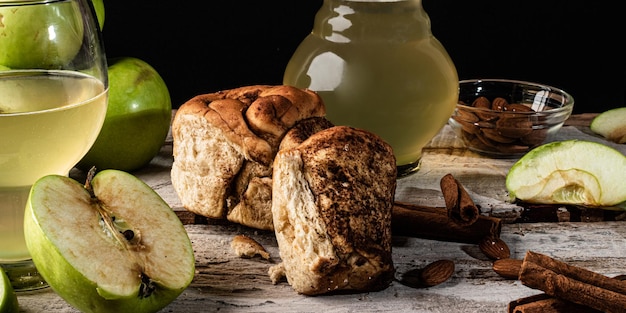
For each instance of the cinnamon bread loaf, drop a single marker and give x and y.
(224, 146)
(332, 198)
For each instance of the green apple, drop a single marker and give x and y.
(8, 298)
(611, 125)
(137, 119)
(59, 40)
(110, 245)
(570, 172)
(98, 6)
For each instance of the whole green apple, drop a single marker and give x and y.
(60, 40)
(109, 245)
(137, 120)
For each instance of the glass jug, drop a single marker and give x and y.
(377, 66)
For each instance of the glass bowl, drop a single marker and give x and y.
(507, 118)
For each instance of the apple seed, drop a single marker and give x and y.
(128, 234)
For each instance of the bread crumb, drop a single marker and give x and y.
(277, 273)
(247, 247)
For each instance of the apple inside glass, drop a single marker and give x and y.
(59, 41)
(112, 245)
(570, 172)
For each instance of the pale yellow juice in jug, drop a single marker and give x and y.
(48, 121)
(406, 113)
(377, 66)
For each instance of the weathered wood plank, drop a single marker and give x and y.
(229, 283)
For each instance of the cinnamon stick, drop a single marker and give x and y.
(543, 303)
(434, 223)
(572, 283)
(459, 204)
(577, 273)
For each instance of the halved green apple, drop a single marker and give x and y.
(8, 298)
(111, 245)
(611, 125)
(570, 172)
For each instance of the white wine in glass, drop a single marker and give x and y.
(53, 99)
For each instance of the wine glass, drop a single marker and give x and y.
(53, 100)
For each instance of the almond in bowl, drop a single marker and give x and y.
(507, 118)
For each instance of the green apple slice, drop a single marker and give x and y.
(570, 172)
(111, 245)
(611, 125)
(8, 298)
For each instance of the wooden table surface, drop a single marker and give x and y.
(227, 283)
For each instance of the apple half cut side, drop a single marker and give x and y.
(111, 245)
(611, 125)
(573, 172)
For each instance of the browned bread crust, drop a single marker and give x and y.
(332, 200)
(266, 157)
(225, 143)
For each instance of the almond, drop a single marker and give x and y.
(495, 135)
(499, 104)
(437, 272)
(482, 102)
(467, 120)
(514, 127)
(494, 248)
(508, 268)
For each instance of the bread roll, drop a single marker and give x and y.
(254, 208)
(332, 197)
(224, 147)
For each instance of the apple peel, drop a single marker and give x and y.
(573, 172)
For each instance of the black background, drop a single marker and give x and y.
(205, 46)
